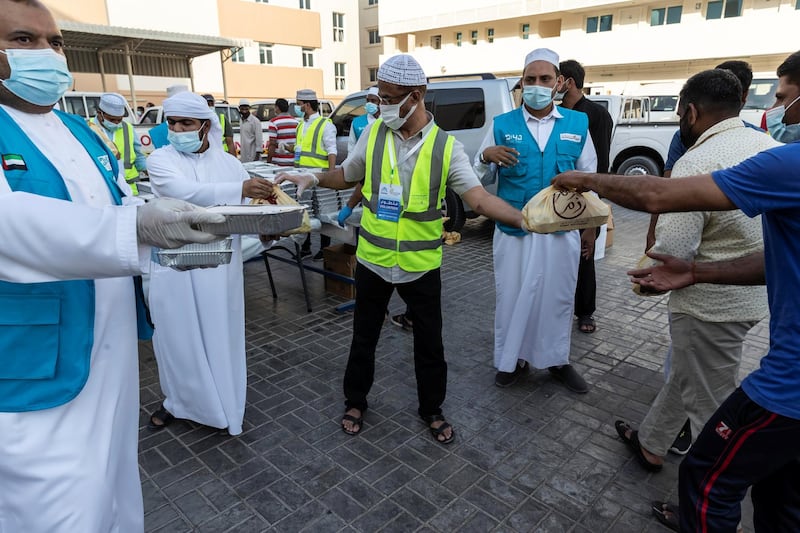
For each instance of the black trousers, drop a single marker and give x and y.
(424, 300)
(586, 288)
(742, 445)
(324, 242)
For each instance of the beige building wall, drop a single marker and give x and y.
(370, 52)
(344, 52)
(633, 51)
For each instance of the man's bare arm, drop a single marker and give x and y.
(650, 193)
(493, 207)
(675, 273)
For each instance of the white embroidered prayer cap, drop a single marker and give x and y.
(112, 104)
(402, 70)
(542, 54)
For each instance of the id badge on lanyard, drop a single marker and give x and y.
(390, 195)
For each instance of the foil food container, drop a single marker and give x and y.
(259, 219)
(196, 255)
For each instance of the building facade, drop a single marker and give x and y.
(294, 44)
(623, 45)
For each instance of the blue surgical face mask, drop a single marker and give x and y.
(187, 142)
(111, 126)
(40, 76)
(298, 111)
(785, 133)
(371, 108)
(537, 97)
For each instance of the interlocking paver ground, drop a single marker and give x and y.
(533, 457)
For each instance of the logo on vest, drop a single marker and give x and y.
(568, 205)
(105, 161)
(572, 137)
(723, 430)
(14, 162)
(514, 137)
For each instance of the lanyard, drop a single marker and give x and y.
(394, 165)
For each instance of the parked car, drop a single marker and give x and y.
(463, 108)
(264, 109)
(85, 104)
(760, 97)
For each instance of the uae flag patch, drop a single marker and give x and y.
(14, 162)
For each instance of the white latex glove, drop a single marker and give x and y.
(303, 180)
(168, 223)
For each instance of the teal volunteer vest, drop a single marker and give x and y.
(47, 329)
(536, 168)
(359, 124)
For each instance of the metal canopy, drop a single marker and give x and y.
(105, 50)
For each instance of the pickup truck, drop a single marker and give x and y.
(639, 144)
(465, 109)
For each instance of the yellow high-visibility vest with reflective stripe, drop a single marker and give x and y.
(309, 139)
(414, 242)
(222, 125)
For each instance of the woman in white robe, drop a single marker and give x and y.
(198, 315)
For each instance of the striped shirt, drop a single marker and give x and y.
(282, 130)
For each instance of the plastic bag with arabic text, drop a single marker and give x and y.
(552, 210)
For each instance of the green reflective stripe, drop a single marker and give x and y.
(437, 165)
(126, 152)
(315, 140)
(402, 246)
(430, 215)
(380, 242)
(377, 157)
(418, 246)
(313, 155)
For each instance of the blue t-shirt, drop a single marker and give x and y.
(677, 149)
(769, 184)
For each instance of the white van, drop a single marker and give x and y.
(85, 104)
(264, 110)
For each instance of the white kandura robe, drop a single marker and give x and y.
(535, 278)
(73, 468)
(199, 314)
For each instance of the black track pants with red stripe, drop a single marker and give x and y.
(742, 445)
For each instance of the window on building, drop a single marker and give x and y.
(525, 31)
(338, 76)
(308, 57)
(373, 73)
(436, 42)
(666, 15)
(372, 3)
(490, 35)
(305, 4)
(459, 36)
(262, 1)
(723, 8)
(601, 23)
(237, 55)
(265, 53)
(374, 36)
(338, 27)
(474, 37)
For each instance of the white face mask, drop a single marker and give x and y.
(390, 113)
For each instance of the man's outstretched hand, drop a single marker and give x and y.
(170, 223)
(673, 273)
(572, 181)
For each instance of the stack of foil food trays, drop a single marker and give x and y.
(260, 219)
(196, 255)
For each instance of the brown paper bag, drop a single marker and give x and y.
(281, 198)
(552, 210)
(646, 262)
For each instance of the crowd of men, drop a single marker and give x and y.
(69, 398)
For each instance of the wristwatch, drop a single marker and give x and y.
(483, 159)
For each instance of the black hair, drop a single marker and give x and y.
(313, 103)
(791, 68)
(742, 70)
(572, 69)
(714, 91)
(282, 104)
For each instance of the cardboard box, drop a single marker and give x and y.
(341, 259)
(610, 229)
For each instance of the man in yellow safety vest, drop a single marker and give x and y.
(111, 111)
(227, 132)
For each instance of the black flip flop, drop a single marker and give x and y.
(587, 321)
(439, 431)
(358, 421)
(163, 415)
(633, 444)
(660, 511)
